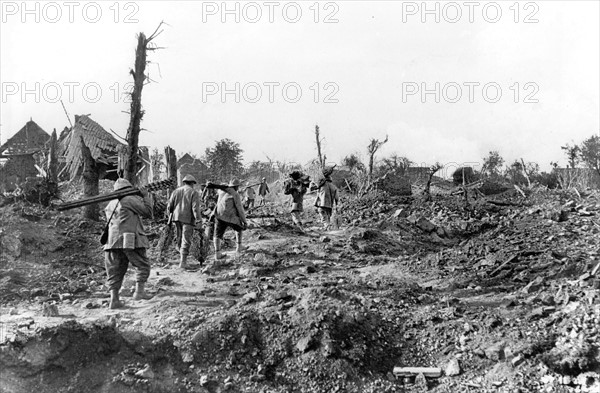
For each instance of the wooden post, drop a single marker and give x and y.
(171, 165)
(91, 179)
(171, 162)
(53, 159)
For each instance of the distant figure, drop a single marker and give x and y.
(327, 196)
(127, 242)
(184, 205)
(263, 190)
(250, 195)
(297, 186)
(229, 213)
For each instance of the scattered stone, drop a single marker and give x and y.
(495, 352)
(203, 380)
(245, 271)
(517, 360)
(145, 373)
(305, 344)
(282, 295)
(534, 285)
(324, 239)
(421, 382)
(452, 368)
(65, 296)
(425, 225)
(400, 213)
(26, 324)
(50, 310)
(250, 297)
(37, 292)
(509, 303)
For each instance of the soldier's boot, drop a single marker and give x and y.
(183, 261)
(140, 292)
(115, 302)
(217, 244)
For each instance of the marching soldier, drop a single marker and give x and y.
(184, 205)
(127, 242)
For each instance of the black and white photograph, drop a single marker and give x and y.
(310, 196)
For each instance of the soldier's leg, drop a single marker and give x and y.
(115, 262)
(186, 242)
(137, 257)
(296, 219)
(179, 228)
(220, 228)
(238, 238)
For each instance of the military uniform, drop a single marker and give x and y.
(184, 204)
(327, 195)
(127, 241)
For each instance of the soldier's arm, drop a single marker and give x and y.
(171, 203)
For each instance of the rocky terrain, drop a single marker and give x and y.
(502, 296)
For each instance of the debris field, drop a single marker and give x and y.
(408, 295)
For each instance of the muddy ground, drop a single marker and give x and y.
(501, 296)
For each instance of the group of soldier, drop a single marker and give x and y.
(127, 240)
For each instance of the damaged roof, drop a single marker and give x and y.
(103, 146)
(28, 140)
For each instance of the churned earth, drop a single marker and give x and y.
(502, 297)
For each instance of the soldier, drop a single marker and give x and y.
(327, 196)
(263, 190)
(127, 242)
(250, 196)
(297, 186)
(229, 213)
(184, 205)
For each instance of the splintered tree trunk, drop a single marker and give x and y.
(372, 149)
(171, 161)
(133, 131)
(318, 137)
(53, 159)
(167, 235)
(91, 177)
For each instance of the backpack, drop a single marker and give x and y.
(287, 187)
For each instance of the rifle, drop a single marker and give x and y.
(152, 187)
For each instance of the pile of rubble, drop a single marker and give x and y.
(409, 296)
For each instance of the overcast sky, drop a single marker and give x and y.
(366, 70)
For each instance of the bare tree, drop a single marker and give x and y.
(573, 153)
(322, 158)
(432, 171)
(374, 145)
(136, 112)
